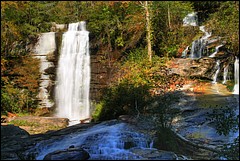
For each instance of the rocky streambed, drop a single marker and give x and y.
(195, 133)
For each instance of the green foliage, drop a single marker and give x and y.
(166, 140)
(8, 103)
(225, 22)
(20, 85)
(97, 111)
(122, 99)
(167, 39)
(226, 120)
(131, 93)
(231, 151)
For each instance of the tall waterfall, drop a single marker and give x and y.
(73, 74)
(236, 76)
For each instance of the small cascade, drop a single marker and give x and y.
(198, 46)
(184, 53)
(216, 51)
(236, 76)
(105, 141)
(73, 75)
(217, 71)
(191, 19)
(225, 74)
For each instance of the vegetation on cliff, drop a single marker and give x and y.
(117, 31)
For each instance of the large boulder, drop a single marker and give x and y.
(13, 131)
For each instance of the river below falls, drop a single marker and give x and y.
(116, 140)
(110, 140)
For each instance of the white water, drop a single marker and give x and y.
(225, 74)
(216, 51)
(184, 53)
(73, 75)
(106, 141)
(236, 76)
(190, 19)
(217, 71)
(46, 45)
(199, 45)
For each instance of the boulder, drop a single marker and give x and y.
(72, 153)
(13, 131)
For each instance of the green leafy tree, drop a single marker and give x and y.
(225, 23)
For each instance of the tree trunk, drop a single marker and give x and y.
(169, 21)
(148, 25)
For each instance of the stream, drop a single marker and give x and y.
(110, 140)
(117, 140)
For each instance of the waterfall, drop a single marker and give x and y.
(184, 53)
(73, 74)
(225, 73)
(236, 76)
(191, 19)
(45, 46)
(198, 46)
(109, 140)
(217, 71)
(216, 51)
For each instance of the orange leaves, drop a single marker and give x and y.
(11, 115)
(26, 75)
(199, 88)
(137, 22)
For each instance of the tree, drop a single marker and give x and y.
(225, 23)
(146, 6)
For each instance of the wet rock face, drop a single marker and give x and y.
(45, 51)
(202, 68)
(71, 153)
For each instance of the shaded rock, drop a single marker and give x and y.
(68, 154)
(9, 156)
(154, 154)
(11, 130)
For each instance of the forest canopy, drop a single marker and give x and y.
(116, 29)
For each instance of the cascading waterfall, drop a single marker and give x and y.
(45, 47)
(236, 76)
(73, 74)
(106, 141)
(225, 73)
(191, 19)
(217, 71)
(216, 51)
(198, 46)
